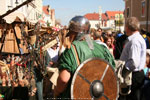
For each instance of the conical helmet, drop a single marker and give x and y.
(79, 24)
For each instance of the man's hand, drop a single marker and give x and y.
(125, 72)
(51, 63)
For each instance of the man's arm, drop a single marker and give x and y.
(134, 57)
(62, 81)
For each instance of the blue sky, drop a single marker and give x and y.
(66, 9)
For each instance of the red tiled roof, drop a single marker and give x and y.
(92, 16)
(113, 13)
(104, 17)
(95, 16)
(45, 10)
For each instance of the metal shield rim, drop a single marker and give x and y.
(81, 65)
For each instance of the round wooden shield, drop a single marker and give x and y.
(95, 79)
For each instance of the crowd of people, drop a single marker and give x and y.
(17, 73)
(131, 46)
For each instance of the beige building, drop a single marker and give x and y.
(48, 16)
(139, 9)
(31, 11)
(53, 17)
(110, 20)
(2, 7)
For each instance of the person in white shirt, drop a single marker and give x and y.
(53, 54)
(134, 55)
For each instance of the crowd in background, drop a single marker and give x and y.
(22, 74)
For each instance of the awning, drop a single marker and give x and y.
(15, 16)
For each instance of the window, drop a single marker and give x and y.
(121, 16)
(128, 12)
(10, 4)
(117, 16)
(143, 9)
(16, 2)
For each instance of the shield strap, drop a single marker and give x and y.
(76, 54)
(78, 62)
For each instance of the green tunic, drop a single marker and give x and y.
(68, 59)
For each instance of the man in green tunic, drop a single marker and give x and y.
(86, 48)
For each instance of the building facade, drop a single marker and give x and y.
(110, 20)
(53, 17)
(93, 19)
(139, 9)
(48, 16)
(115, 20)
(31, 11)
